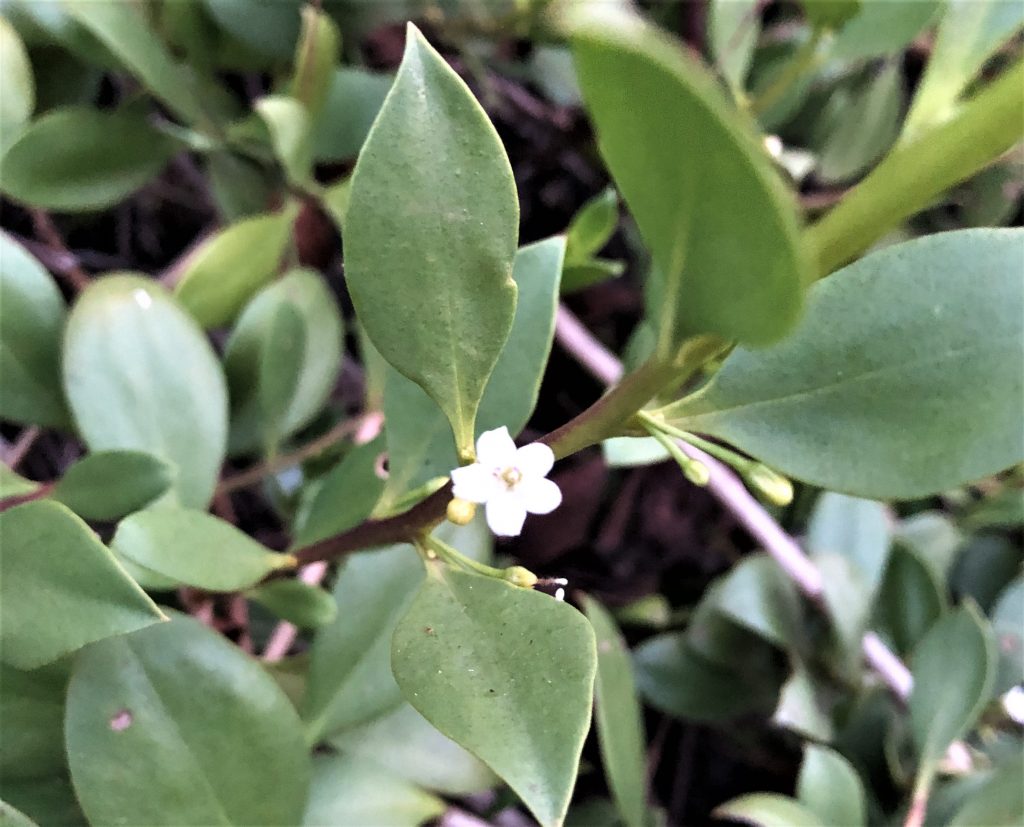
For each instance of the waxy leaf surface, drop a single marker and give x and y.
(430, 236)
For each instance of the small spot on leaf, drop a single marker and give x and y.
(121, 720)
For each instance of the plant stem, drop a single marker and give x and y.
(455, 558)
(915, 173)
(628, 397)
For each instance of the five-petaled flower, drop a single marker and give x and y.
(511, 481)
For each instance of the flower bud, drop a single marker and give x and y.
(776, 488)
(522, 577)
(461, 512)
(696, 472)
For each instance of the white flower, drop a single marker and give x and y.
(1013, 703)
(510, 480)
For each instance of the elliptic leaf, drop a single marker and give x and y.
(232, 265)
(109, 484)
(351, 790)
(140, 374)
(768, 810)
(122, 28)
(81, 158)
(591, 227)
(342, 498)
(300, 603)
(620, 729)
(195, 548)
(404, 743)
(733, 29)
(444, 233)
(32, 716)
(708, 204)
(681, 681)
(32, 317)
(315, 56)
(305, 292)
(288, 123)
(419, 444)
(354, 97)
(946, 702)
(51, 558)
(881, 391)
(830, 787)
(17, 86)
(221, 742)
(350, 680)
(506, 673)
(969, 32)
(882, 28)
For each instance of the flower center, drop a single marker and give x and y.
(511, 476)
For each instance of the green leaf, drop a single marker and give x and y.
(859, 530)
(802, 709)
(419, 444)
(12, 817)
(998, 802)
(768, 810)
(404, 743)
(196, 549)
(912, 598)
(831, 14)
(270, 27)
(830, 787)
(620, 727)
(934, 538)
(969, 32)
(898, 355)
(47, 800)
(288, 122)
(232, 265)
(350, 680)
(221, 742)
(733, 29)
(849, 540)
(65, 159)
(315, 56)
(757, 595)
(457, 222)
(109, 484)
(719, 225)
(632, 452)
(305, 292)
(32, 317)
(579, 276)
(985, 566)
(300, 603)
(354, 97)
(32, 713)
(592, 227)
(1008, 625)
(675, 678)
(12, 484)
(506, 673)
(139, 374)
(77, 573)
(17, 85)
(349, 790)
(122, 29)
(946, 702)
(343, 498)
(240, 187)
(865, 124)
(280, 365)
(883, 28)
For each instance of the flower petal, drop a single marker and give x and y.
(475, 483)
(495, 449)
(539, 496)
(535, 459)
(506, 514)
